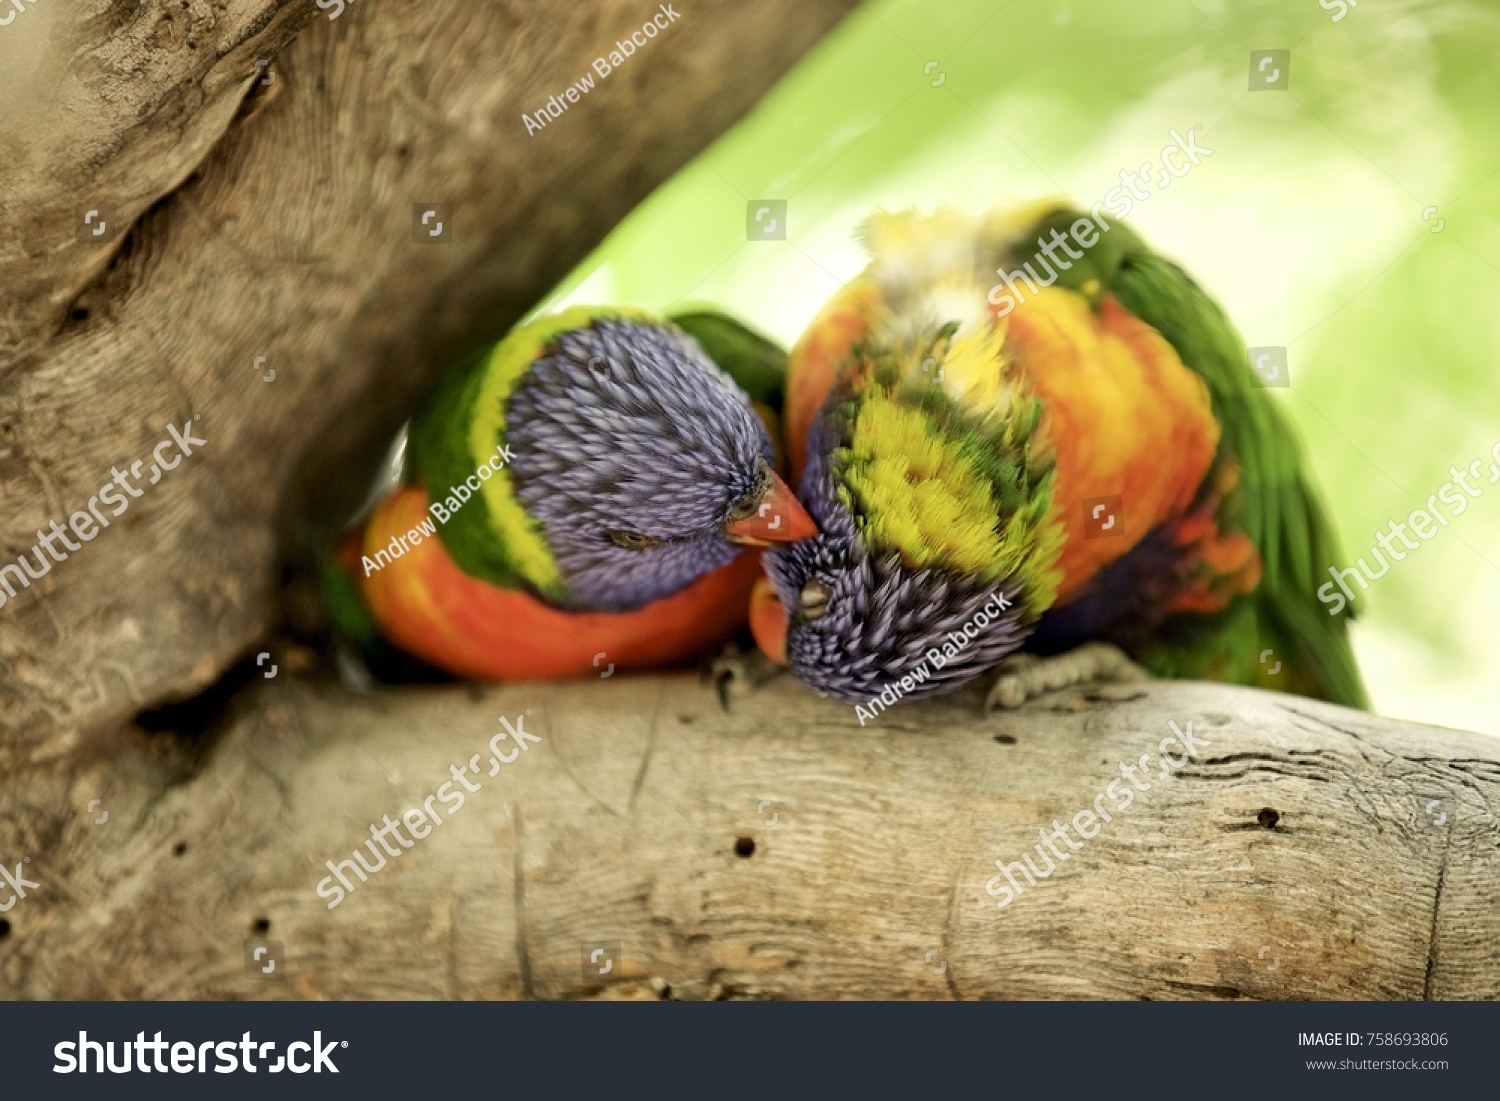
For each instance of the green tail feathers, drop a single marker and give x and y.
(1275, 503)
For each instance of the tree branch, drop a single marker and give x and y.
(777, 850)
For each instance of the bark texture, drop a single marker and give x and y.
(772, 850)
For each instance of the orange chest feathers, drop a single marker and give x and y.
(1131, 427)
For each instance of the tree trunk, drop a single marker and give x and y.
(248, 220)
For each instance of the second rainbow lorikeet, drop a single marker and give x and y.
(1075, 454)
(588, 490)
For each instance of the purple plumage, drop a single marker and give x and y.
(872, 620)
(633, 450)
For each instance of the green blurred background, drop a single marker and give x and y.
(1306, 221)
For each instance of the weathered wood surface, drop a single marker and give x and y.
(280, 225)
(1296, 857)
(109, 107)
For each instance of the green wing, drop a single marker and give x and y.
(1275, 502)
(757, 364)
(462, 425)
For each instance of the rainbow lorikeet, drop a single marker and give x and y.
(583, 492)
(1072, 455)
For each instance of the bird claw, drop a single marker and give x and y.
(1024, 677)
(736, 673)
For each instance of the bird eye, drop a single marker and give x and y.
(812, 601)
(748, 505)
(744, 508)
(632, 540)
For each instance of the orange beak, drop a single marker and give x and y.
(780, 519)
(768, 621)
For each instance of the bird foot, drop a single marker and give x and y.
(736, 673)
(1023, 677)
